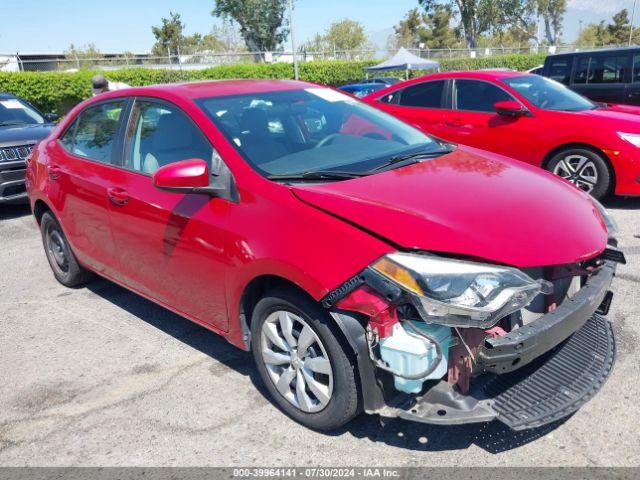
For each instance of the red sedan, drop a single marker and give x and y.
(529, 118)
(366, 265)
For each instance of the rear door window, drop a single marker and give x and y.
(94, 132)
(425, 95)
(607, 69)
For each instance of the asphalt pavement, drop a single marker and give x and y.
(98, 376)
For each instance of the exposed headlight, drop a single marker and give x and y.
(456, 292)
(633, 138)
(609, 221)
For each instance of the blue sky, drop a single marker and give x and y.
(119, 25)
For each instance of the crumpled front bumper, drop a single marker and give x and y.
(548, 389)
(519, 347)
(536, 374)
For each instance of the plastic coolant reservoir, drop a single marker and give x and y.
(407, 353)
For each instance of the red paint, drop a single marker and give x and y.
(529, 138)
(471, 203)
(363, 300)
(185, 174)
(196, 254)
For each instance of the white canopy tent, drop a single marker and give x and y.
(405, 60)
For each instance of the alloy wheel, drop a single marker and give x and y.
(296, 361)
(579, 170)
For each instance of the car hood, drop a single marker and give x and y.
(471, 203)
(620, 114)
(23, 134)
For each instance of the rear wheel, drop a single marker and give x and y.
(302, 363)
(585, 168)
(63, 262)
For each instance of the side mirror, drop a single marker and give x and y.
(187, 176)
(50, 117)
(509, 108)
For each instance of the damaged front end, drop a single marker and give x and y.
(450, 341)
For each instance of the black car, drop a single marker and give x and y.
(608, 76)
(21, 127)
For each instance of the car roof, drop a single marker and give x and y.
(214, 88)
(5, 95)
(471, 74)
(597, 50)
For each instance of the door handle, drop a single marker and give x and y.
(118, 196)
(54, 172)
(456, 122)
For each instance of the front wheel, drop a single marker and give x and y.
(302, 363)
(586, 169)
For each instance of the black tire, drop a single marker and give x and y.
(604, 181)
(343, 404)
(63, 262)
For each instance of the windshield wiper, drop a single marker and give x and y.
(11, 122)
(316, 175)
(415, 157)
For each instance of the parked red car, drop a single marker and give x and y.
(365, 264)
(529, 118)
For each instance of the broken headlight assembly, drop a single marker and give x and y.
(458, 293)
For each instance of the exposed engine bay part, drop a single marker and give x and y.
(414, 353)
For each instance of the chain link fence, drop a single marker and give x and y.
(199, 60)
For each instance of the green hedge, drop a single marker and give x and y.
(58, 92)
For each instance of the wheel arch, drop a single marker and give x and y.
(352, 336)
(570, 145)
(40, 207)
(257, 288)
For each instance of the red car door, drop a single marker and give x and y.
(473, 121)
(170, 245)
(79, 171)
(420, 104)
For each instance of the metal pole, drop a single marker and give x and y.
(293, 41)
(633, 13)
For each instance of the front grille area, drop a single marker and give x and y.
(19, 152)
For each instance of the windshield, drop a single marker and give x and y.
(316, 129)
(15, 112)
(548, 94)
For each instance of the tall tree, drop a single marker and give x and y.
(594, 34)
(411, 30)
(619, 29)
(346, 35)
(262, 23)
(439, 33)
(432, 29)
(168, 35)
(519, 16)
(474, 19)
(599, 34)
(552, 13)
